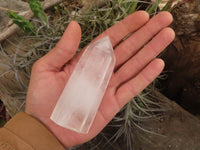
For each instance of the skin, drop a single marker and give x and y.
(136, 67)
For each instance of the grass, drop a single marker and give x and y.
(25, 50)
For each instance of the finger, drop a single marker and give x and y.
(65, 49)
(146, 55)
(120, 30)
(128, 25)
(134, 86)
(130, 46)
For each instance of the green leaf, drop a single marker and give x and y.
(24, 24)
(37, 9)
(133, 7)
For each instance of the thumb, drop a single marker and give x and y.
(65, 48)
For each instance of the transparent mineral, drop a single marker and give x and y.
(82, 95)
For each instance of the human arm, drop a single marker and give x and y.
(24, 132)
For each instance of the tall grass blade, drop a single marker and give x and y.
(154, 7)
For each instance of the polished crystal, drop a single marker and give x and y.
(84, 91)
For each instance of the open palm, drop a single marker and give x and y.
(136, 67)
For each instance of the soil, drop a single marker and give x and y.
(183, 78)
(179, 130)
(182, 59)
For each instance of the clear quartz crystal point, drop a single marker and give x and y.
(82, 95)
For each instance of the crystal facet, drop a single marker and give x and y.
(82, 95)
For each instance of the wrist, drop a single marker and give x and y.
(32, 132)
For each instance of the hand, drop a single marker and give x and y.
(136, 67)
